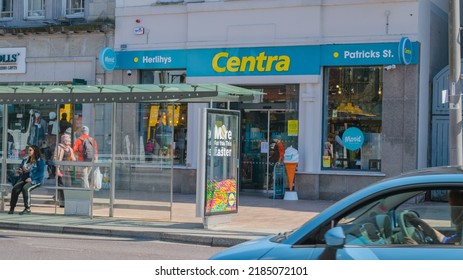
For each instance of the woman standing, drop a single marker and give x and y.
(32, 173)
(64, 152)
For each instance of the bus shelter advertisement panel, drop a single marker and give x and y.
(222, 162)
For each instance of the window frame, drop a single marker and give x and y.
(3, 12)
(67, 9)
(28, 11)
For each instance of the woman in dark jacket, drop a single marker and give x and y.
(32, 173)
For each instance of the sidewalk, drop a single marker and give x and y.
(257, 216)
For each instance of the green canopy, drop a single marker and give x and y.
(131, 93)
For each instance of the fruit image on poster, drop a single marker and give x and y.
(220, 185)
(220, 196)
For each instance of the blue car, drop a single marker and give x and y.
(414, 216)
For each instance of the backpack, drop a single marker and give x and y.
(88, 150)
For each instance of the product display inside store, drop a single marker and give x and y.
(354, 100)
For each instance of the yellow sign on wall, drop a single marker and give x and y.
(293, 128)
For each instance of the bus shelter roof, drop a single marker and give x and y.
(130, 93)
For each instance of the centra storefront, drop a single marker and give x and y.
(338, 105)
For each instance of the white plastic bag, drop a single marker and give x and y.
(97, 179)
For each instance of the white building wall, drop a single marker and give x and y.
(57, 57)
(264, 23)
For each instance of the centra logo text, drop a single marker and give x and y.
(223, 62)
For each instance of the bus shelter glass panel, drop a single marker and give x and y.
(143, 179)
(164, 129)
(70, 186)
(32, 125)
(94, 171)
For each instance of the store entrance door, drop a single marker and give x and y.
(260, 128)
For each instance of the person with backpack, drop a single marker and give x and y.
(87, 150)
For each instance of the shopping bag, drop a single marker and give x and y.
(97, 179)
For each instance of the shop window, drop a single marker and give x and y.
(6, 9)
(160, 120)
(75, 8)
(352, 137)
(35, 8)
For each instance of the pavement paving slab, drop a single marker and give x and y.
(257, 216)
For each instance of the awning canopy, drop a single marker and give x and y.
(132, 93)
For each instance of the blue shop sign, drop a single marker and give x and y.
(165, 59)
(266, 61)
(353, 138)
(107, 59)
(369, 54)
(260, 61)
(405, 51)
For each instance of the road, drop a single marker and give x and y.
(22, 245)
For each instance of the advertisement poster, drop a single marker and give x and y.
(222, 159)
(293, 128)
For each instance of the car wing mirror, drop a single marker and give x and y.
(335, 239)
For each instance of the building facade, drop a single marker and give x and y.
(56, 42)
(352, 98)
(364, 82)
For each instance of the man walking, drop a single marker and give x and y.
(87, 151)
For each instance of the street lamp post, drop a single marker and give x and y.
(455, 125)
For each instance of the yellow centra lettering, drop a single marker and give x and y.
(248, 60)
(215, 62)
(283, 63)
(270, 61)
(259, 63)
(233, 64)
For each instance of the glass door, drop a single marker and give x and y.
(261, 130)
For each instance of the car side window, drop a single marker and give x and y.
(408, 218)
(425, 219)
(367, 225)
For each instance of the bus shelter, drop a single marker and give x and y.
(133, 183)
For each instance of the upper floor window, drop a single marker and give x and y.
(6, 9)
(35, 8)
(75, 8)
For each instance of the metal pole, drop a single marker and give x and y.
(112, 180)
(268, 153)
(5, 144)
(455, 126)
(172, 149)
